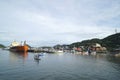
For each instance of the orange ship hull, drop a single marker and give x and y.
(19, 48)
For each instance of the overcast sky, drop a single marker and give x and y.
(50, 22)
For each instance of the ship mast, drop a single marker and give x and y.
(24, 42)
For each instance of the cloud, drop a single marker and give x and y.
(58, 21)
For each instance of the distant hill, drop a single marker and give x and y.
(86, 42)
(111, 42)
(2, 46)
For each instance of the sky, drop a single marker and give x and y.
(50, 22)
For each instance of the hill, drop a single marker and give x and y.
(110, 42)
(2, 46)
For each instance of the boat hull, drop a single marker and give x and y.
(19, 48)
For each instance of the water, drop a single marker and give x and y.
(19, 66)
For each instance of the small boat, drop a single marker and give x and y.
(36, 57)
(41, 54)
(59, 51)
(17, 47)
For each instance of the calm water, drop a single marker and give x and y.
(14, 66)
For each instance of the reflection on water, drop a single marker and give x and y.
(17, 55)
(37, 61)
(113, 59)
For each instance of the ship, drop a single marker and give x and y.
(18, 47)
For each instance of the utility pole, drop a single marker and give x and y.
(115, 31)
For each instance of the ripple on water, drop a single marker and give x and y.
(58, 67)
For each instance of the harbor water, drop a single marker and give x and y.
(22, 66)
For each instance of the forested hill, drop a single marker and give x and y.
(110, 42)
(2, 46)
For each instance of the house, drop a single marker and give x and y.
(98, 47)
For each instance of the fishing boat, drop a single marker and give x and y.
(17, 47)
